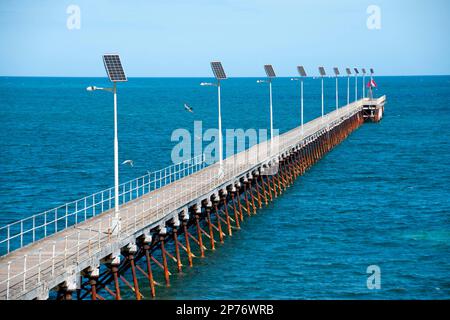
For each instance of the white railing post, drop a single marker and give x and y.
(131, 191)
(39, 265)
(7, 280)
(93, 205)
(85, 211)
(89, 241)
(99, 234)
(21, 233)
(8, 237)
(78, 246)
(53, 258)
(34, 228)
(65, 252)
(24, 271)
(76, 212)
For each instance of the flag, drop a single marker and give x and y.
(372, 84)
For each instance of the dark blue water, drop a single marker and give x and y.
(381, 197)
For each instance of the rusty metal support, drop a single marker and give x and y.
(290, 175)
(251, 196)
(64, 293)
(274, 185)
(177, 249)
(211, 231)
(258, 193)
(93, 284)
(264, 192)
(163, 253)
(115, 270)
(149, 269)
(246, 199)
(238, 194)
(135, 280)
(225, 205)
(279, 177)
(219, 224)
(199, 234)
(267, 184)
(283, 174)
(236, 214)
(188, 246)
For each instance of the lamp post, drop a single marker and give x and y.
(364, 82)
(219, 74)
(336, 73)
(322, 74)
(116, 74)
(270, 74)
(302, 73)
(349, 73)
(356, 83)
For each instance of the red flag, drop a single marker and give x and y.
(372, 84)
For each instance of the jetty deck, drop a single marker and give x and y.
(34, 269)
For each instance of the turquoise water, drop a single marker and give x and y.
(381, 197)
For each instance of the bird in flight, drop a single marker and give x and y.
(129, 162)
(188, 108)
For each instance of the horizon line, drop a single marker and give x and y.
(211, 76)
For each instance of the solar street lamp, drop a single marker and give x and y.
(302, 73)
(356, 83)
(364, 82)
(116, 74)
(349, 73)
(336, 73)
(94, 88)
(270, 75)
(219, 74)
(322, 74)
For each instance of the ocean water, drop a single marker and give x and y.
(380, 198)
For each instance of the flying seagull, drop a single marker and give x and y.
(129, 162)
(188, 108)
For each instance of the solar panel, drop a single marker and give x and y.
(349, 72)
(322, 71)
(269, 71)
(371, 71)
(336, 71)
(301, 71)
(218, 71)
(356, 70)
(114, 68)
(363, 71)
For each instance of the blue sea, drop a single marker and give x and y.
(379, 198)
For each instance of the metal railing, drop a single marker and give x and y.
(39, 226)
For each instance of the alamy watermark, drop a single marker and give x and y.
(374, 279)
(257, 144)
(73, 21)
(374, 19)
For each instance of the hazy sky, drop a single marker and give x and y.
(181, 37)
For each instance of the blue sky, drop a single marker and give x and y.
(180, 37)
